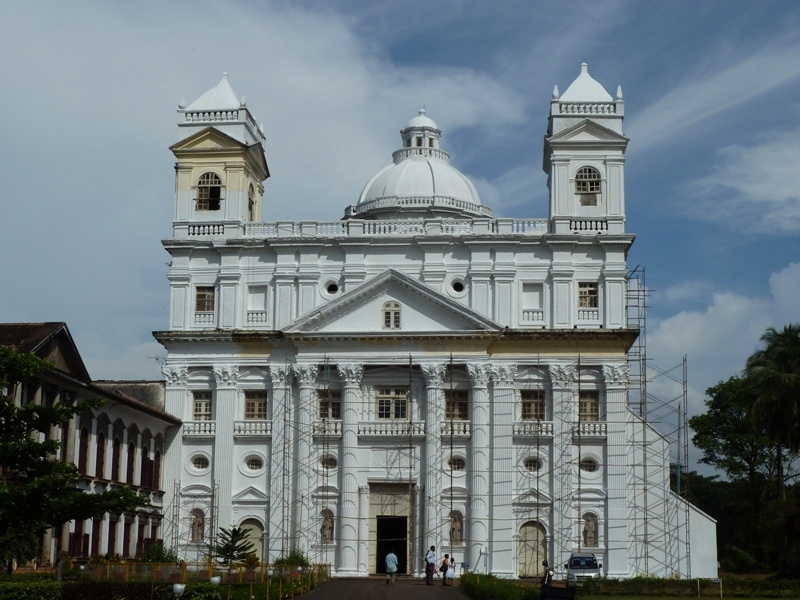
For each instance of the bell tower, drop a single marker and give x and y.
(220, 166)
(584, 158)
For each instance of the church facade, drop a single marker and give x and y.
(419, 372)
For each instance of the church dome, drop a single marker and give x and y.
(420, 183)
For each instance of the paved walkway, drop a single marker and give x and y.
(375, 588)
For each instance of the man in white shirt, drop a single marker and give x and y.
(391, 567)
(430, 565)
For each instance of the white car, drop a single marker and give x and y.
(582, 566)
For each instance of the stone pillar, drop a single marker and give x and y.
(347, 537)
(226, 403)
(280, 463)
(304, 534)
(434, 413)
(614, 537)
(176, 378)
(562, 376)
(502, 483)
(363, 530)
(477, 521)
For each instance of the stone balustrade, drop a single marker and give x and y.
(328, 428)
(388, 428)
(589, 429)
(533, 429)
(199, 428)
(458, 428)
(252, 428)
(587, 108)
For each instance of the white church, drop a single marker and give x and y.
(419, 372)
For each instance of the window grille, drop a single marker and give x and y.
(209, 192)
(255, 405)
(392, 403)
(587, 295)
(533, 408)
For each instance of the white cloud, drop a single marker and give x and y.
(686, 291)
(752, 189)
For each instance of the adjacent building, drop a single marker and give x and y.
(419, 372)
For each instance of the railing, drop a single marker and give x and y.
(588, 314)
(440, 201)
(257, 317)
(587, 108)
(206, 229)
(328, 428)
(252, 427)
(533, 429)
(459, 428)
(204, 318)
(199, 428)
(589, 429)
(532, 315)
(588, 225)
(424, 152)
(390, 428)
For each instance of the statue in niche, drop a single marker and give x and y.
(456, 529)
(197, 527)
(589, 533)
(326, 530)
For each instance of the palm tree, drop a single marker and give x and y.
(773, 377)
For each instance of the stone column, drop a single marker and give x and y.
(434, 413)
(176, 378)
(280, 463)
(477, 521)
(305, 531)
(562, 376)
(347, 537)
(615, 536)
(502, 483)
(363, 530)
(226, 407)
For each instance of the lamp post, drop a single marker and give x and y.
(178, 589)
(269, 581)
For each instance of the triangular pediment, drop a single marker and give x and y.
(587, 131)
(250, 494)
(422, 310)
(533, 498)
(207, 139)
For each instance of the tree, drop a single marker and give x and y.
(234, 546)
(37, 491)
(773, 379)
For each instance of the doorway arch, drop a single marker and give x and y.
(532, 549)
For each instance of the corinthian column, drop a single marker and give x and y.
(304, 533)
(434, 375)
(226, 399)
(478, 519)
(562, 376)
(614, 537)
(280, 462)
(503, 524)
(176, 378)
(348, 477)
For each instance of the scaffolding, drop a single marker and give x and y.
(657, 399)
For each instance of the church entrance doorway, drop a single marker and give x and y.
(392, 534)
(532, 549)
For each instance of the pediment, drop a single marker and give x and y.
(422, 310)
(587, 131)
(250, 494)
(533, 498)
(206, 139)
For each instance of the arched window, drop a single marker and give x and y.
(131, 459)
(587, 185)
(83, 451)
(391, 315)
(209, 192)
(197, 521)
(116, 458)
(100, 463)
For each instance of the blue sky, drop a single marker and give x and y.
(712, 91)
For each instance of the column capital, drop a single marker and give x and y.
(176, 376)
(616, 373)
(363, 489)
(351, 372)
(280, 374)
(434, 374)
(226, 375)
(503, 374)
(306, 374)
(562, 374)
(479, 374)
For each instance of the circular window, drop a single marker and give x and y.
(457, 287)
(200, 463)
(457, 463)
(589, 465)
(532, 463)
(332, 288)
(254, 463)
(328, 462)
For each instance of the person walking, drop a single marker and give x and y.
(391, 567)
(444, 568)
(430, 565)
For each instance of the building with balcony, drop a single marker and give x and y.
(419, 372)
